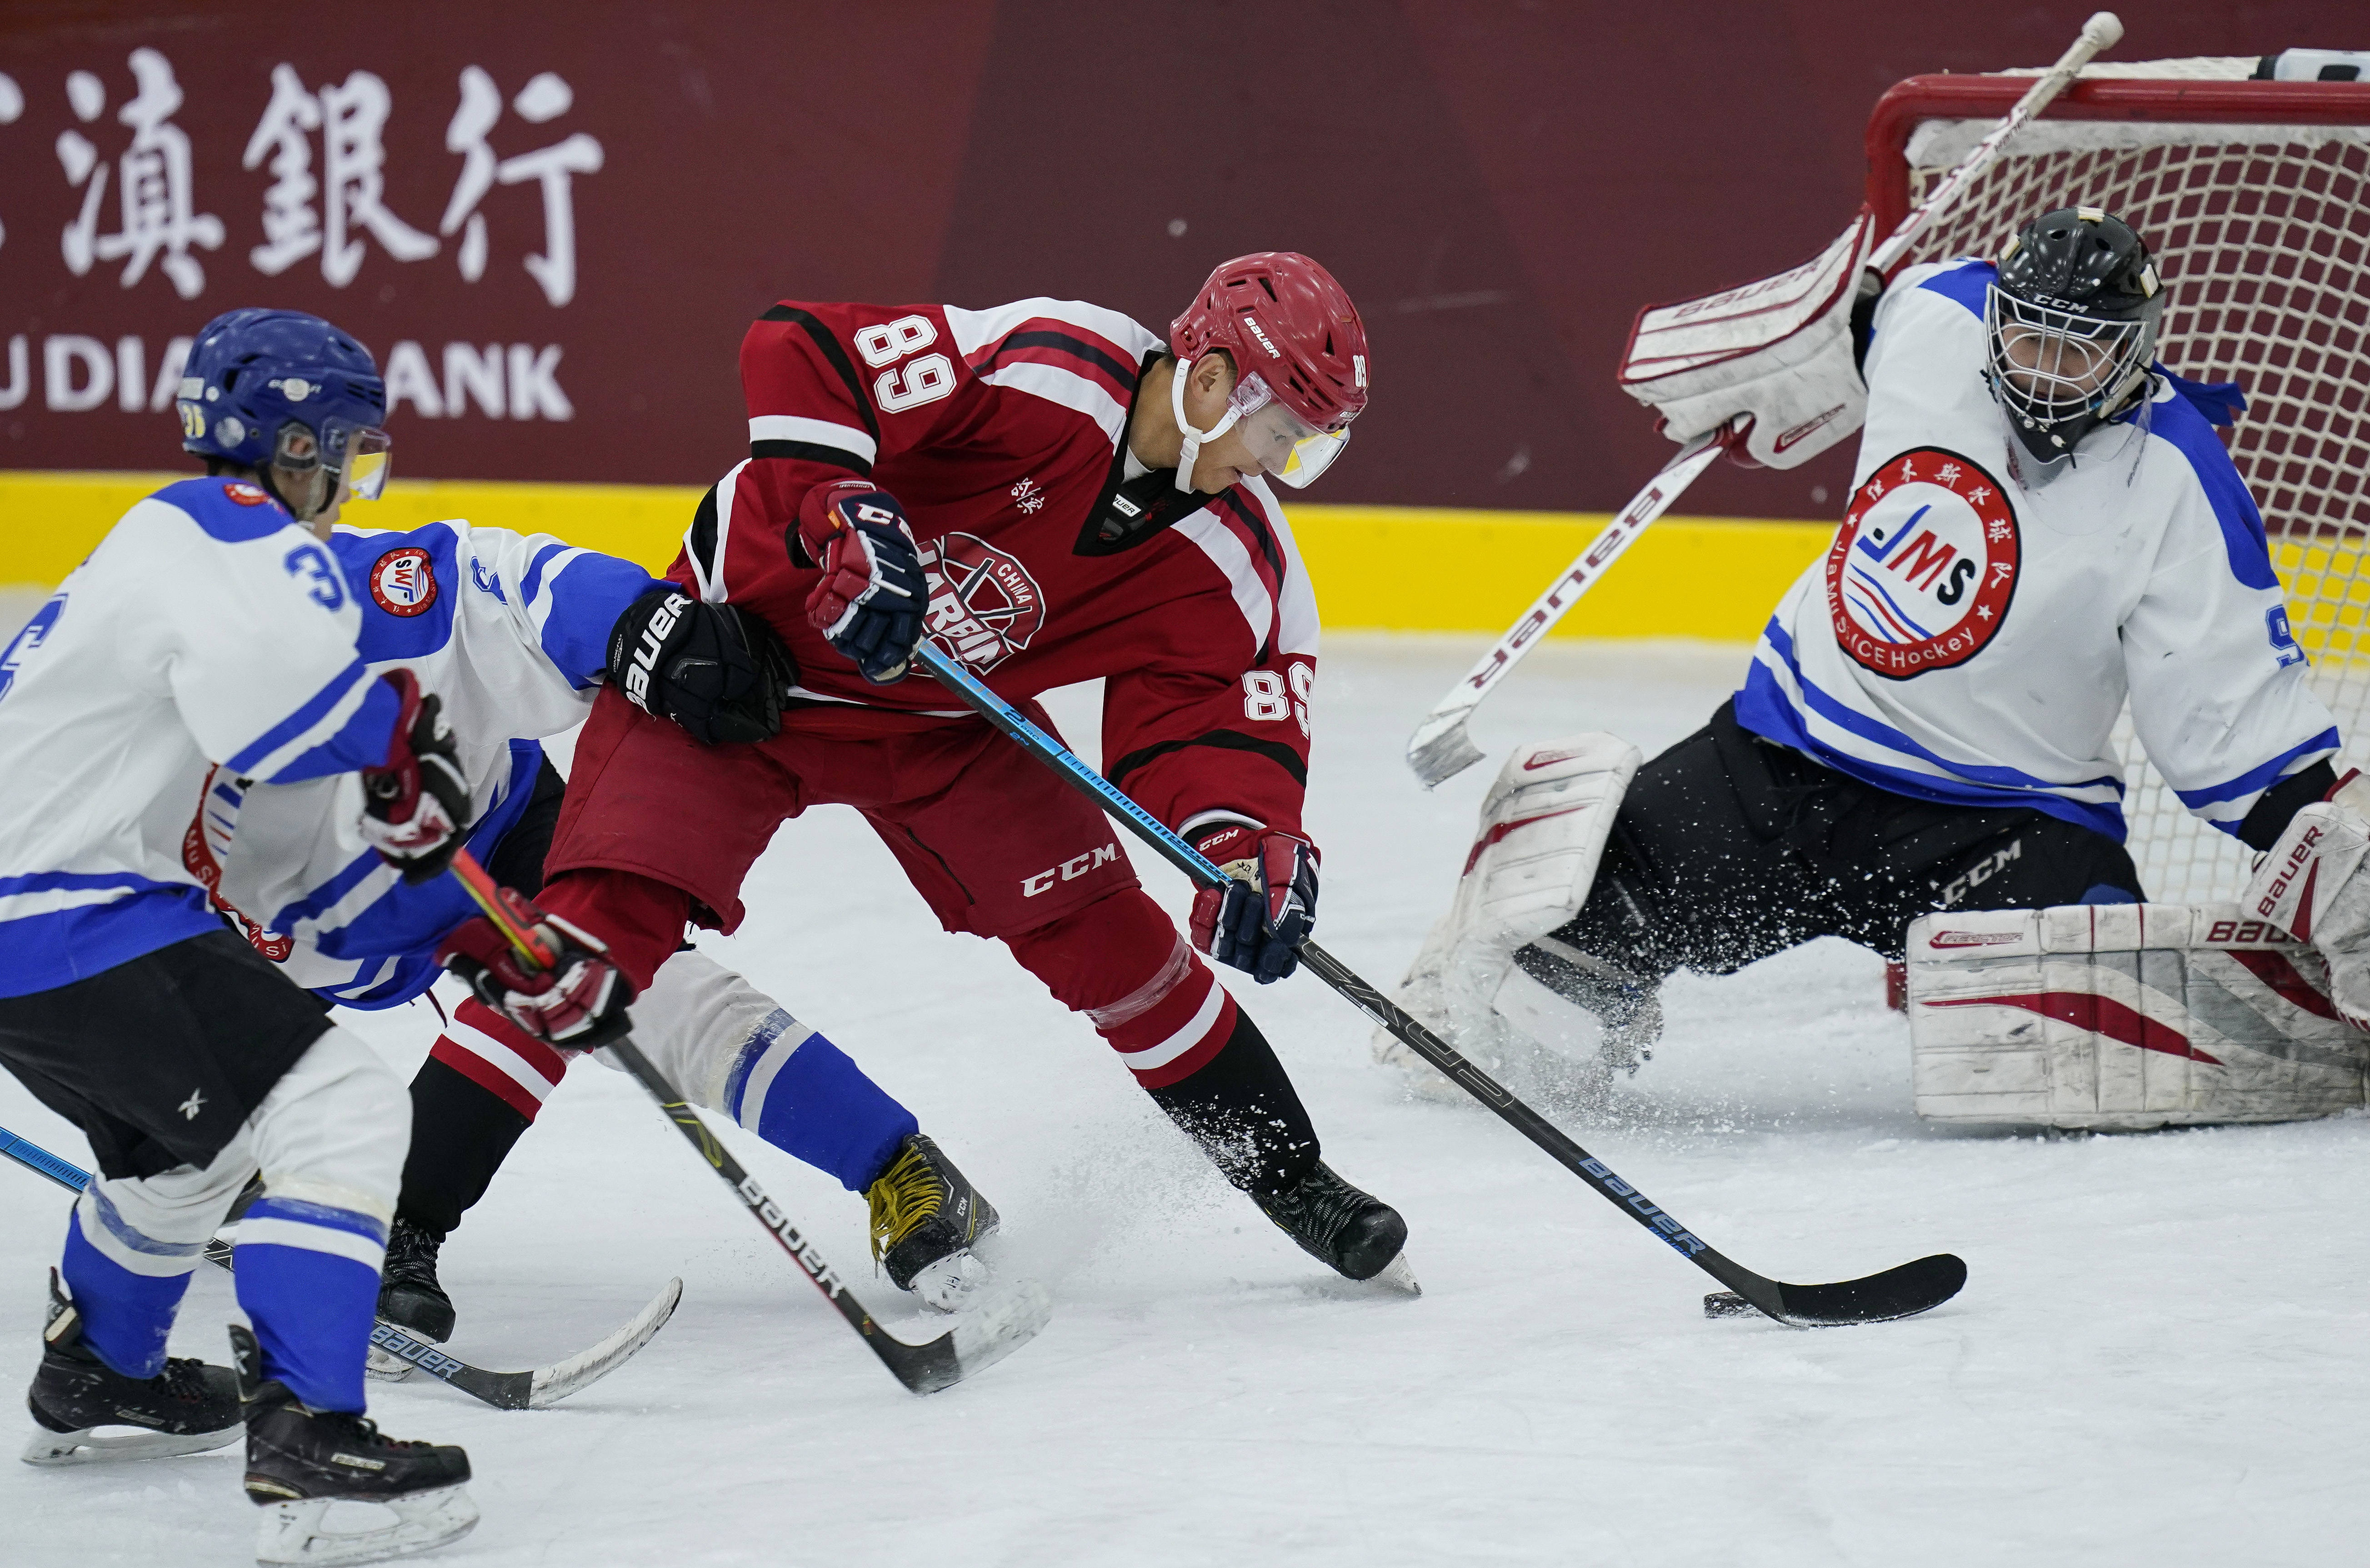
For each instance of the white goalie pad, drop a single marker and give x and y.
(1780, 350)
(2126, 1016)
(1535, 851)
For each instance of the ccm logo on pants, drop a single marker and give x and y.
(1070, 869)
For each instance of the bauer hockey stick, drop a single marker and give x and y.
(1896, 1293)
(537, 1389)
(1002, 1320)
(1440, 748)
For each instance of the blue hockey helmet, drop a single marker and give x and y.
(265, 387)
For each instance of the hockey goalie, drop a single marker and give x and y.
(2042, 525)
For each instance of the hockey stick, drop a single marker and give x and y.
(1001, 1321)
(1440, 748)
(1896, 1293)
(537, 1389)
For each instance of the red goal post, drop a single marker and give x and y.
(2255, 198)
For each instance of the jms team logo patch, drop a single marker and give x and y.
(983, 605)
(1924, 566)
(403, 582)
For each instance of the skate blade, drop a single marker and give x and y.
(86, 1446)
(1000, 1322)
(1398, 1275)
(291, 1532)
(952, 1282)
(386, 1367)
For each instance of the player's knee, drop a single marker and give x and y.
(335, 1128)
(1103, 952)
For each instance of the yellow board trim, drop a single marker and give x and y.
(1376, 567)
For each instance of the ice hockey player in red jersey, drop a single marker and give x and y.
(1053, 495)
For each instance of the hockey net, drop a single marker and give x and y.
(2255, 197)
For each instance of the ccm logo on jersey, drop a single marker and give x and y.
(1925, 565)
(403, 583)
(1070, 869)
(654, 635)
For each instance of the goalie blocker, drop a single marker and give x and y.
(2125, 1017)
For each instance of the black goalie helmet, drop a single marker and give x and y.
(2072, 327)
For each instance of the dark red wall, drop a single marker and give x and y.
(1499, 185)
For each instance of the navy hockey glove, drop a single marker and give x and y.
(1258, 921)
(415, 804)
(872, 597)
(579, 1004)
(718, 671)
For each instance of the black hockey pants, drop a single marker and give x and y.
(1730, 848)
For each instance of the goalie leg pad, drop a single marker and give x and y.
(2125, 1017)
(2313, 884)
(1534, 853)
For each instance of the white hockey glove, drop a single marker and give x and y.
(2313, 886)
(2124, 1016)
(1534, 853)
(1780, 350)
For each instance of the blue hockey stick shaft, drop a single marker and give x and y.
(1896, 1293)
(33, 1157)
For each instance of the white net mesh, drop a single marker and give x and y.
(2264, 236)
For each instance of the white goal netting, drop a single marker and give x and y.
(2264, 234)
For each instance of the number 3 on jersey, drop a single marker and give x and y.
(909, 386)
(1264, 700)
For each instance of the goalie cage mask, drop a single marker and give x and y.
(2070, 328)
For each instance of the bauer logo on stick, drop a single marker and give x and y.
(1925, 565)
(403, 582)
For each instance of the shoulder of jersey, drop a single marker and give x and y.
(230, 510)
(1963, 281)
(403, 573)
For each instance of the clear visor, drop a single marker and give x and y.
(1285, 445)
(361, 453)
(2057, 364)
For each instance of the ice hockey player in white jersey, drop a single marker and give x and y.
(516, 633)
(210, 625)
(2041, 523)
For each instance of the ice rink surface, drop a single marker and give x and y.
(2162, 1355)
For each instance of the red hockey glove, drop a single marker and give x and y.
(872, 597)
(579, 1003)
(416, 805)
(1258, 921)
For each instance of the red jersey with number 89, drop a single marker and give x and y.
(1002, 433)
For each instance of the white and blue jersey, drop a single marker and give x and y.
(207, 626)
(1971, 642)
(511, 631)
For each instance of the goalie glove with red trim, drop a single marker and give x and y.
(2314, 885)
(415, 804)
(871, 597)
(577, 1004)
(1256, 921)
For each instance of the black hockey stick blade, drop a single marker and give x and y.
(999, 1320)
(1903, 1292)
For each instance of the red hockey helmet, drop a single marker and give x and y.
(1298, 347)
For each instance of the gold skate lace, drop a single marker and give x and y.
(906, 1195)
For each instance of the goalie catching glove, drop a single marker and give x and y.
(719, 672)
(577, 1004)
(1258, 919)
(2314, 885)
(870, 600)
(415, 804)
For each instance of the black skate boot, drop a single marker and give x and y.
(300, 1460)
(409, 1296)
(186, 1409)
(1358, 1236)
(925, 1218)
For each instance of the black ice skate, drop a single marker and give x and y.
(300, 1460)
(925, 1218)
(186, 1409)
(409, 1296)
(1358, 1236)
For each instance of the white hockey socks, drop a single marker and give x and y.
(2124, 1016)
(1534, 856)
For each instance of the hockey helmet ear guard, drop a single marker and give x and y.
(254, 375)
(2070, 326)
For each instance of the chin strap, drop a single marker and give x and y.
(1188, 457)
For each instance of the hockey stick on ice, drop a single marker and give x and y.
(1001, 1320)
(1896, 1293)
(1440, 748)
(536, 1390)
